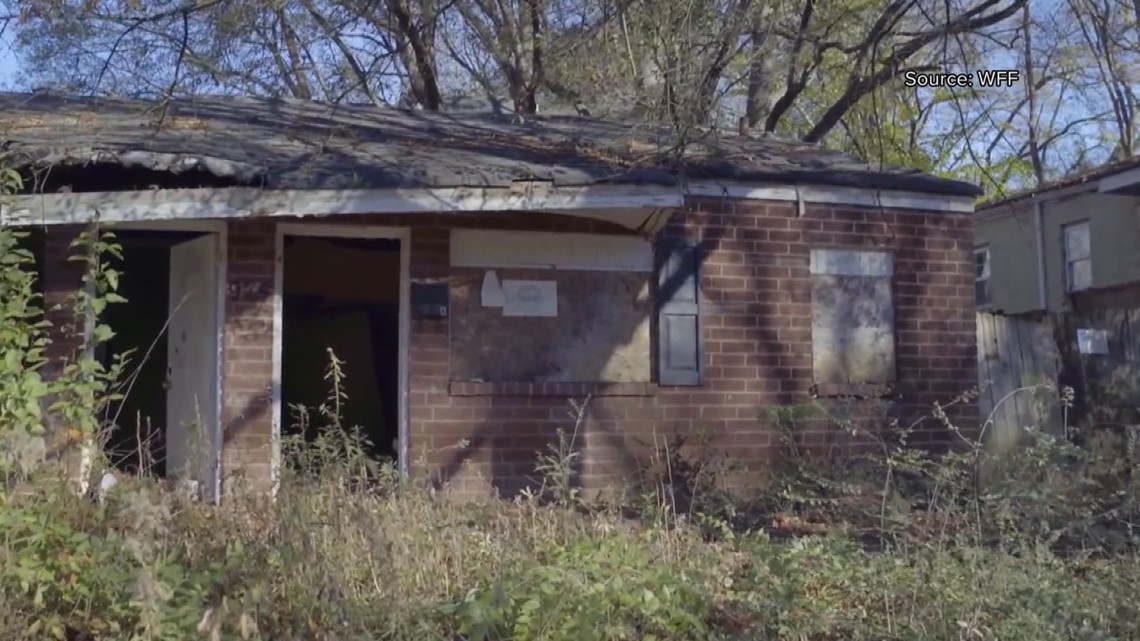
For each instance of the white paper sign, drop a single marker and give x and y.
(492, 292)
(1092, 341)
(530, 298)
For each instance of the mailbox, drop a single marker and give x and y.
(429, 301)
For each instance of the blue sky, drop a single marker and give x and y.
(7, 60)
(1084, 137)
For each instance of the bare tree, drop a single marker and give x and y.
(900, 31)
(817, 70)
(512, 35)
(1105, 34)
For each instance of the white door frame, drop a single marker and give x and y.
(402, 234)
(220, 228)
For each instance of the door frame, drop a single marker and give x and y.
(325, 230)
(221, 229)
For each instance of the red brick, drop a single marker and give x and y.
(757, 337)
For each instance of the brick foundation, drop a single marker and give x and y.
(756, 343)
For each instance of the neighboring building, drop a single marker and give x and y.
(1080, 236)
(476, 274)
(1057, 284)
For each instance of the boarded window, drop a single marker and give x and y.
(678, 315)
(1078, 256)
(982, 275)
(539, 307)
(853, 317)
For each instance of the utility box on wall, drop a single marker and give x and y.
(429, 301)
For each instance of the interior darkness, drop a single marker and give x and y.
(136, 439)
(105, 176)
(342, 294)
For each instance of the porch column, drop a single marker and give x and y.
(247, 442)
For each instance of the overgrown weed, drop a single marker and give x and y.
(345, 551)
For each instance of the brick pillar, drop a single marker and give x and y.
(249, 338)
(61, 279)
(428, 349)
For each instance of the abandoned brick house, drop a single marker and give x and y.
(476, 273)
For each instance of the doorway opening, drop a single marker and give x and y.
(342, 295)
(166, 335)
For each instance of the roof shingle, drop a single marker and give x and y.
(294, 144)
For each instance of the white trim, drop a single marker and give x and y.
(645, 220)
(1016, 204)
(402, 234)
(220, 228)
(1116, 182)
(490, 249)
(839, 196)
(242, 202)
(851, 262)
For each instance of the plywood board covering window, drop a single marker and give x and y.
(591, 320)
(853, 317)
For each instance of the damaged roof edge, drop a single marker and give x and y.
(255, 175)
(1079, 182)
(917, 182)
(242, 202)
(299, 144)
(173, 163)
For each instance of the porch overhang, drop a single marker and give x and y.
(640, 207)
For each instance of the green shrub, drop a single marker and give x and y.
(613, 588)
(894, 545)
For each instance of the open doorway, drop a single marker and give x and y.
(168, 334)
(342, 294)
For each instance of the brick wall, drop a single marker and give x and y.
(756, 342)
(248, 386)
(757, 351)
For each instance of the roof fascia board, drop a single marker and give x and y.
(836, 196)
(1003, 208)
(1116, 182)
(1011, 208)
(242, 202)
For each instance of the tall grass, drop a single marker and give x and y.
(896, 545)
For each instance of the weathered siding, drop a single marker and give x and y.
(1024, 361)
(756, 344)
(1018, 371)
(1114, 229)
(1114, 236)
(1013, 260)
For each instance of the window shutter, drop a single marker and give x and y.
(678, 315)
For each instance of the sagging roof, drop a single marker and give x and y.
(294, 144)
(1089, 178)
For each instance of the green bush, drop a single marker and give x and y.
(891, 546)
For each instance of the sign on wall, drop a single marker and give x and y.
(530, 298)
(1092, 341)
